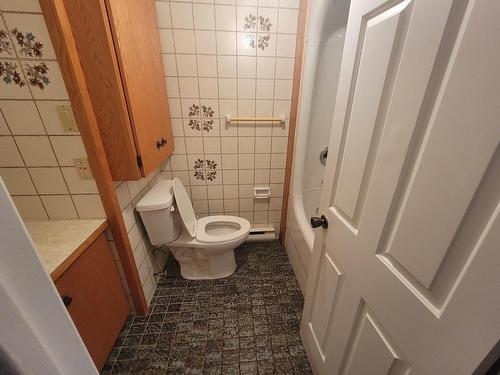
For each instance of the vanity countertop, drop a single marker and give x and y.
(60, 242)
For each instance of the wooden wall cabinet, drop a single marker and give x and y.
(95, 299)
(119, 47)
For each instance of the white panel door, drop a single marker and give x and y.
(406, 278)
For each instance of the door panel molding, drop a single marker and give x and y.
(330, 279)
(377, 58)
(467, 239)
(370, 348)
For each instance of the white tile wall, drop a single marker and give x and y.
(222, 58)
(36, 154)
(219, 58)
(148, 262)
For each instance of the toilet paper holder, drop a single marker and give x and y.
(263, 192)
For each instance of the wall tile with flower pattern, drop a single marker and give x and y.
(29, 35)
(260, 25)
(205, 169)
(12, 82)
(201, 119)
(6, 49)
(10, 73)
(37, 74)
(28, 45)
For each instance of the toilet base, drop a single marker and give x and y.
(196, 264)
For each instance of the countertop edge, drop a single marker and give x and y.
(60, 269)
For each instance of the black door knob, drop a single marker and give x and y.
(67, 300)
(319, 222)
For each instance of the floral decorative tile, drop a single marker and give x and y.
(210, 172)
(263, 41)
(208, 125)
(11, 73)
(262, 25)
(250, 22)
(207, 111)
(205, 169)
(45, 79)
(12, 82)
(37, 74)
(28, 46)
(6, 49)
(201, 118)
(30, 36)
(194, 124)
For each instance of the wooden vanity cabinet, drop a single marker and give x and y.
(119, 47)
(91, 290)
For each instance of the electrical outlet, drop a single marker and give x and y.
(82, 166)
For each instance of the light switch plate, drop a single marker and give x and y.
(67, 118)
(83, 169)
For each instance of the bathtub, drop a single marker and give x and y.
(323, 48)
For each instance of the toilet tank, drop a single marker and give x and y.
(158, 214)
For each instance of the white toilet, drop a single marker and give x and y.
(204, 248)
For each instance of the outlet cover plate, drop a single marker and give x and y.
(83, 169)
(67, 118)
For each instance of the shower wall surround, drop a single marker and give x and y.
(237, 58)
(37, 157)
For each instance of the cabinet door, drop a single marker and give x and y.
(137, 44)
(94, 42)
(98, 304)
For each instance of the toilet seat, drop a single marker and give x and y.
(185, 207)
(217, 229)
(223, 222)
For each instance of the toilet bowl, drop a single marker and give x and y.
(203, 247)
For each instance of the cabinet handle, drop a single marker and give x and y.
(67, 300)
(161, 143)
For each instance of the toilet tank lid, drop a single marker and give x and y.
(159, 197)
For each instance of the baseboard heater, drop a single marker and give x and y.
(261, 235)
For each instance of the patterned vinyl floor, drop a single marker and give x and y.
(245, 324)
